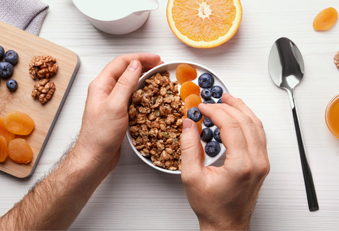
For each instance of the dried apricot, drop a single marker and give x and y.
(3, 149)
(19, 151)
(3, 132)
(199, 126)
(185, 72)
(325, 19)
(18, 123)
(189, 88)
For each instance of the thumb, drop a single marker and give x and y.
(190, 150)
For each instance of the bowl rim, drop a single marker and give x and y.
(148, 75)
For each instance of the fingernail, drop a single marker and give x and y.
(187, 124)
(133, 66)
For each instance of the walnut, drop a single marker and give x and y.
(43, 90)
(43, 67)
(336, 59)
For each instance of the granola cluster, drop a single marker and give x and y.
(155, 116)
(336, 59)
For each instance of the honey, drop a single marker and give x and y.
(332, 116)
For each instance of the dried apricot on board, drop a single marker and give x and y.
(185, 72)
(19, 151)
(3, 132)
(325, 19)
(189, 88)
(3, 149)
(18, 123)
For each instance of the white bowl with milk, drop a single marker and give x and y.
(116, 16)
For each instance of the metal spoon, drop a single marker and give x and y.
(286, 67)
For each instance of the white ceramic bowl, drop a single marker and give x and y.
(116, 16)
(171, 67)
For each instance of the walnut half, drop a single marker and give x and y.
(42, 67)
(43, 90)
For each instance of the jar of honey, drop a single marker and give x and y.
(332, 116)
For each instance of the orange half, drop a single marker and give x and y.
(204, 23)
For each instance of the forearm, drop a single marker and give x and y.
(56, 201)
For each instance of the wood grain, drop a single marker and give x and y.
(44, 116)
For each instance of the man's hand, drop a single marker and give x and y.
(223, 198)
(56, 201)
(105, 119)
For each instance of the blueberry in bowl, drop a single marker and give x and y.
(11, 57)
(12, 85)
(206, 80)
(211, 101)
(194, 114)
(206, 135)
(216, 91)
(2, 52)
(208, 122)
(6, 70)
(216, 135)
(206, 93)
(212, 148)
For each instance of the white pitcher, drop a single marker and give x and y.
(116, 16)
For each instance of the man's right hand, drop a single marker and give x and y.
(223, 198)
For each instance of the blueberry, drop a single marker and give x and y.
(6, 70)
(206, 80)
(216, 91)
(207, 122)
(206, 93)
(219, 101)
(209, 101)
(12, 85)
(12, 57)
(194, 114)
(216, 135)
(212, 148)
(2, 52)
(206, 135)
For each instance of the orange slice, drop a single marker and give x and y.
(204, 23)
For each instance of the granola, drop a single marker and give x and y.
(336, 59)
(155, 117)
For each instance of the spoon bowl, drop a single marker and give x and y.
(286, 68)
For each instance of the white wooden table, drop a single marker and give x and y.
(137, 197)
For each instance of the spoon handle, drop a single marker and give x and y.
(309, 185)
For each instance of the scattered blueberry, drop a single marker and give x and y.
(216, 135)
(219, 101)
(207, 122)
(216, 91)
(6, 70)
(209, 101)
(206, 135)
(12, 85)
(2, 52)
(194, 114)
(12, 57)
(206, 80)
(206, 93)
(212, 148)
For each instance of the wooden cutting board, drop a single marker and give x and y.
(44, 116)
